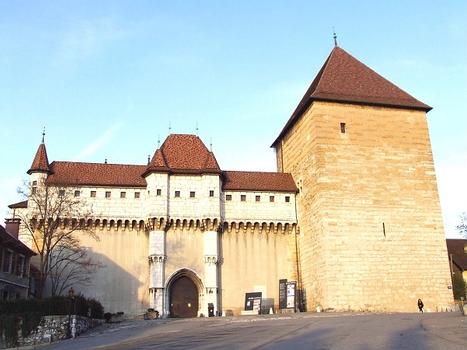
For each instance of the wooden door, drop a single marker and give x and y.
(183, 298)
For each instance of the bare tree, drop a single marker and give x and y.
(70, 265)
(462, 227)
(53, 215)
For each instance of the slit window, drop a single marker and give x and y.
(93, 194)
(211, 193)
(137, 195)
(342, 128)
(177, 194)
(61, 193)
(158, 192)
(287, 199)
(258, 198)
(271, 199)
(228, 197)
(108, 194)
(122, 194)
(77, 193)
(243, 197)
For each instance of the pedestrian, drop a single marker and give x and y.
(420, 305)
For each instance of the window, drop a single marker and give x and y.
(177, 194)
(77, 193)
(108, 194)
(342, 128)
(122, 194)
(287, 199)
(243, 197)
(158, 192)
(34, 183)
(7, 255)
(137, 194)
(271, 199)
(192, 194)
(61, 193)
(228, 197)
(211, 193)
(34, 187)
(93, 194)
(258, 198)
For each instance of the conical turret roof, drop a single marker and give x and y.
(40, 162)
(345, 79)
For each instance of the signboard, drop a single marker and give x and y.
(291, 288)
(283, 294)
(253, 301)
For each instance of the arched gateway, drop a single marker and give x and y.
(184, 292)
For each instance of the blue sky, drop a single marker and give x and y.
(107, 77)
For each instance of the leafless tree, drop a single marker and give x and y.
(52, 218)
(462, 227)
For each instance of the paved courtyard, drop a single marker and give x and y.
(300, 331)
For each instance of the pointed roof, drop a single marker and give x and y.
(183, 153)
(40, 162)
(343, 78)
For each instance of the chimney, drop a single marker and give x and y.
(12, 227)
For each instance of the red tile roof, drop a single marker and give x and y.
(96, 174)
(40, 162)
(456, 248)
(183, 153)
(258, 181)
(343, 78)
(23, 204)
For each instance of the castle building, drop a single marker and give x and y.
(352, 213)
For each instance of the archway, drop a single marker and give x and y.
(184, 292)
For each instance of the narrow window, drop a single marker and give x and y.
(61, 193)
(211, 193)
(271, 198)
(192, 194)
(158, 192)
(122, 194)
(107, 194)
(93, 194)
(342, 128)
(287, 199)
(34, 183)
(258, 198)
(243, 197)
(177, 194)
(228, 197)
(34, 187)
(137, 194)
(77, 193)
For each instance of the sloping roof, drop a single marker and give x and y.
(96, 174)
(258, 181)
(40, 162)
(9, 241)
(456, 248)
(22, 204)
(343, 78)
(183, 153)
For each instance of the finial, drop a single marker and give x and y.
(334, 37)
(105, 161)
(43, 134)
(149, 157)
(210, 144)
(197, 130)
(170, 128)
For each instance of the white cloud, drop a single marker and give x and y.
(99, 142)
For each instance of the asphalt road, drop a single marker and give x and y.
(301, 331)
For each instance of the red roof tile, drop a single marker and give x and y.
(96, 174)
(182, 153)
(456, 248)
(23, 204)
(258, 181)
(40, 162)
(343, 78)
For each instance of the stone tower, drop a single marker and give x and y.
(371, 231)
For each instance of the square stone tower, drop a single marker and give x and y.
(371, 231)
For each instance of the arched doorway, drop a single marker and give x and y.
(183, 298)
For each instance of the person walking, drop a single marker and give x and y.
(420, 305)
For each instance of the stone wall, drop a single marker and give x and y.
(371, 228)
